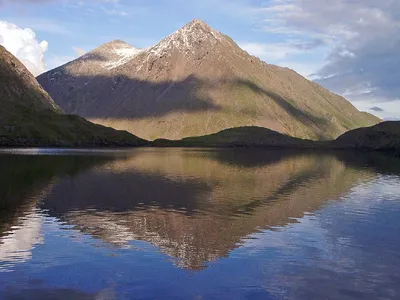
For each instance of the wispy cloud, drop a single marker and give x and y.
(377, 109)
(114, 11)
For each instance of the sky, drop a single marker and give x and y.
(349, 46)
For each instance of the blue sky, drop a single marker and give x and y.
(349, 46)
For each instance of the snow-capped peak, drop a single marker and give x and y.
(188, 38)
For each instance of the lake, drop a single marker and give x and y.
(198, 224)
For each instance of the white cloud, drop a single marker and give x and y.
(23, 44)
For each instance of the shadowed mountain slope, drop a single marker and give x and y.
(29, 117)
(195, 82)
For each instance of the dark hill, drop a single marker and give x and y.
(381, 137)
(249, 136)
(384, 136)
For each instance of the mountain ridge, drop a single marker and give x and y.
(197, 81)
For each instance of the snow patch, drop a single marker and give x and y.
(123, 55)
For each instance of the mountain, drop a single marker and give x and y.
(196, 81)
(29, 116)
(384, 137)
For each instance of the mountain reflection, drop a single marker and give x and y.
(197, 206)
(25, 181)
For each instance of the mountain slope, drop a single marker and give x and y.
(196, 81)
(29, 117)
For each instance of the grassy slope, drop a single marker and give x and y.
(25, 127)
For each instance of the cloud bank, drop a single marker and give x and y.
(23, 44)
(363, 37)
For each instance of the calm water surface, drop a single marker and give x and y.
(198, 224)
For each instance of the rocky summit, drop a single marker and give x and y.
(197, 81)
